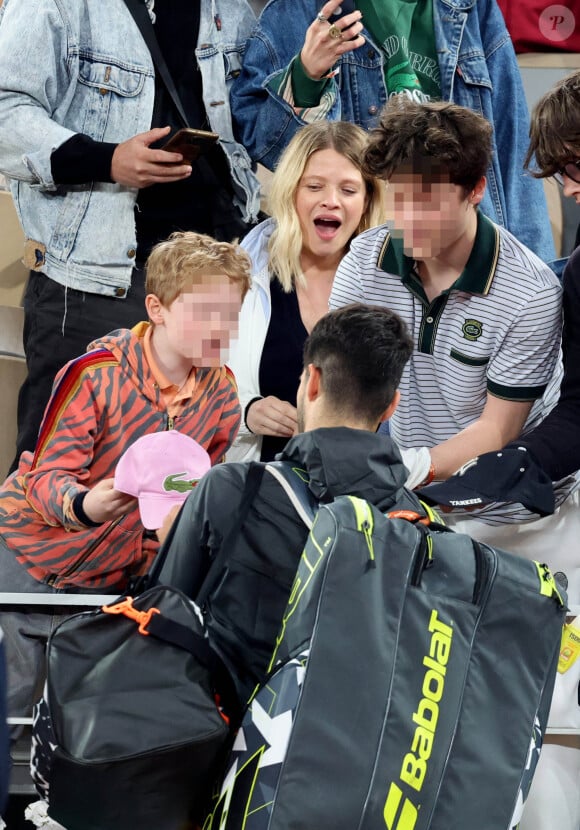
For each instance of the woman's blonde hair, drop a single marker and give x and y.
(286, 242)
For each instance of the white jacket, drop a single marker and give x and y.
(246, 352)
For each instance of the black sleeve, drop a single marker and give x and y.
(555, 443)
(79, 510)
(81, 159)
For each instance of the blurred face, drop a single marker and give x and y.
(429, 215)
(330, 201)
(200, 322)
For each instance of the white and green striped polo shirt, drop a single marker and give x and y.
(496, 330)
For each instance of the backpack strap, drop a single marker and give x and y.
(294, 482)
(251, 487)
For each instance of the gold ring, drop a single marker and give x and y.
(335, 32)
(321, 18)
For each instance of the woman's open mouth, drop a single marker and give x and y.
(327, 228)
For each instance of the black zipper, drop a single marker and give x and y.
(423, 556)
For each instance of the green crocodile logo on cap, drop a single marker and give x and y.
(173, 482)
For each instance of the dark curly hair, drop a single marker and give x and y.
(434, 139)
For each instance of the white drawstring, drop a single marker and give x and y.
(63, 320)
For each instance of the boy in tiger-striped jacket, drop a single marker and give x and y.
(63, 526)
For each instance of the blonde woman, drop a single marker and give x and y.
(319, 200)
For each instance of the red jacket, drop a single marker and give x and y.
(101, 403)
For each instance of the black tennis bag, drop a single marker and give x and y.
(409, 687)
(129, 733)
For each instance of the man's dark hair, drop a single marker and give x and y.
(434, 139)
(361, 352)
(555, 128)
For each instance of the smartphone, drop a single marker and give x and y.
(346, 7)
(190, 143)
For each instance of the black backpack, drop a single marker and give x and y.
(134, 724)
(129, 731)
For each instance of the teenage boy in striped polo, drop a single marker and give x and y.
(555, 445)
(484, 311)
(485, 316)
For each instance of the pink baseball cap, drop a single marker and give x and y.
(161, 470)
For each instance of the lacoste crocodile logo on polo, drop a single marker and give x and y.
(173, 482)
(472, 329)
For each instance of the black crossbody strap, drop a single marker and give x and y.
(141, 17)
(251, 487)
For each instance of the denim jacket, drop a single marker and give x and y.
(68, 66)
(478, 70)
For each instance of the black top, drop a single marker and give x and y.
(202, 202)
(555, 443)
(281, 362)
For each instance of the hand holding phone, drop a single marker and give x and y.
(346, 7)
(136, 164)
(335, 30)
(190, 143)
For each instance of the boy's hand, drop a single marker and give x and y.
(103, 503)
(271, 416)
(163, 531)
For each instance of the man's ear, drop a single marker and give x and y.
(313, 382)
(478, 191)
(154, 308)
(389, 411)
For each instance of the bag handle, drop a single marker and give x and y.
(425, 559)
(163, 628)
(176, 634)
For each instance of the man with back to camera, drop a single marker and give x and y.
(353, 361)
(83, 115)
(484, 311)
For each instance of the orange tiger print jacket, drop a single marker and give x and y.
(101, 403)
